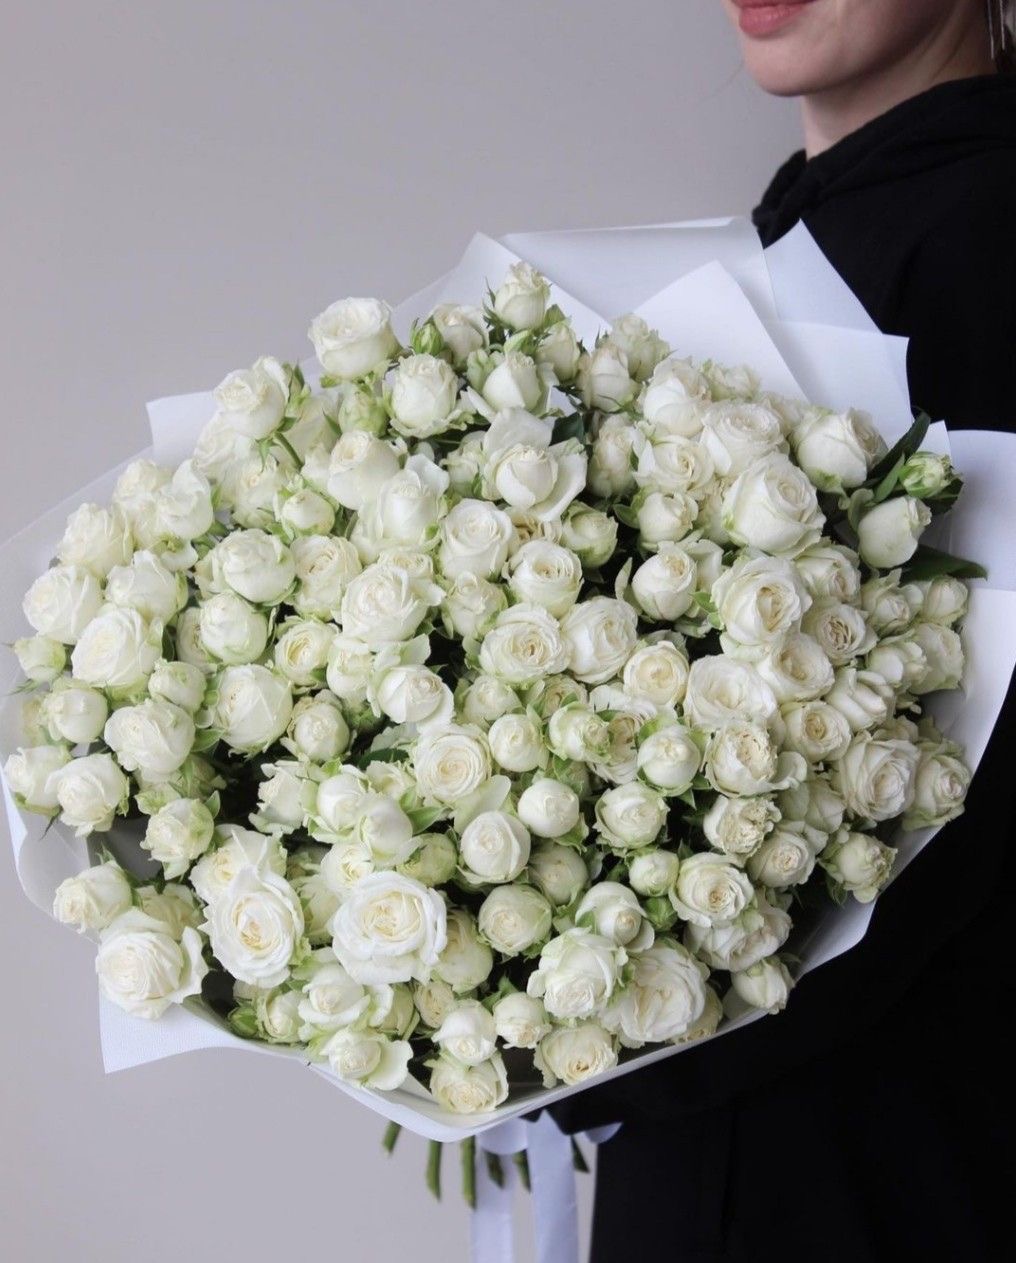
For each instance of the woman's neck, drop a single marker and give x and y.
(832, 113)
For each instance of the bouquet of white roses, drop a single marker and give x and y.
(491, 706)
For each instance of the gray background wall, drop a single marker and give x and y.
(185, 185)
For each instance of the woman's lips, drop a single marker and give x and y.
(759, 17)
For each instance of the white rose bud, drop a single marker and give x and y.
(62, 602)
(544, 573)
(475, 537)
(494, 847)
(863, 698)
(577, 974)
(516, 743)
(143, 969)
(549, 808)
(462, 330)
(573, 1054)
(888, 534)
(75, 713)
(317, 730)
(764, 986)
(943, 654)
(522, 298)
(738, 826)
(610, 466)
(513, 382)
(837, 449)
(93, 899)
(760, 599)
(251, 708)
(665, 584)
(859, 862)
(471, 605)
(353, 337)
(630, 816)
(559, 350)
(29, 773)
(669, 759)
(257, 566)
(841, 630)
(658, 673)
(664, 518)
(796, 668)
(424, 391)
(785, 858)
(940, 787)
(558, 871)
(675, 397)
(590, 533)
(386, 603)
(97, 539)
(253, 401)
(613, 911)
(468, 1033)
(469, 1089)
(359, 467)
(183, 508)
(305, 512)
(513, 918)
(524, 644)
(40, 658)
(434, 1000)
(816, 730)
(152, 738)
(722, 689)
(710, 891)
(466, 960)
(520, 1021)
(604, 379)
(232, 630)
(652, 873)
(433, 862)
(255, 926)
(739, 435)
(91, 792)
(643, 346)
(324, 565)
(181, 683)
(179, 834)
(350, 664)
(368, 1059)
(943, 599)
(600, 635)
(759, 931)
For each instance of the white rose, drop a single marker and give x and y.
(486, 699)
(450, 764)
(390, 929)
(549, 808)
(516, 743)
(467, 1033)
(814, 802)
(143, 969)
(251, 707)
(62, 602)
(466, 960)
(642, 345)
(331, 999)
(664, 518)
(253, 488)
(764, 986)
(350, 664)
(434, 1000)
(475, 537)
(739, 435)
(742, 759)
(147, 586)
(188, 645)
(29, 773)
(277, 1016)
(710, 890)
(136, 487)
(97, 539)
(40, 658)
(859, 862)
(604, 379)
(94, 898)
(524, 644)
(889, 607)
(337, 802)
(786, 857)
(559, 350)
(876, 778)
(816, 730)
(672, 463)
(526, 471)
(731, 381)
(324, 565)
(178, 834)
(462, 330)
(353, 337)
(888, 534)
(577, 974)
(657, 672)
(610, 464)
(663, 999)
(841, 630)
(405, 511)
(546, 574)
(117, 650)
(513, 918)
(235, 849)
(513, 382)
(590, 533)
(434, 861)
(664, 585)
(558, 871)
(940, 787)
(257, 566)
(255, 925)
(469, 1089)
(494, 847)
(284, 797)
(369, 1059)
(219, 449)
(837, 449)
(231, 629)
(722, 689)
(178, 682)
(359, 466)
(153, 738)
(522, 298)
(830, 572)
(303, 650)
(424, 390)
(600, 635)
(613, 911)
(386, 603)
(573, 1054)
(738, 826)
(385, 829)
(630, 816)
(253, 401)
(91, 792)
(796, 668)
(471, 604)
(760, 599)
(669, 759)
(675, 397)
(317, 730)
(943, 599)
(304, 512)
(758, 932)
(520, 1021)
(75, 713)
(863, 698)
(577, 733)
(943, 653)
(652, 873)
(183, 507)
(772, 506)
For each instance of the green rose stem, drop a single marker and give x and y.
(467, 1153)
(392, 1133)
(434, 1167)
(521, 1160)
(494, 1169)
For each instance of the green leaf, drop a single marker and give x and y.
(391, 754)
(572, 426)
(929, 563)
(906, 446)
(889, 482)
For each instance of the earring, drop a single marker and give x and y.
(1001, 26)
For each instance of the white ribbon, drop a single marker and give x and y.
(554, 1197)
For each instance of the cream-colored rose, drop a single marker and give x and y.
(350, 664)
(759, 600)
(786, 857)
(144, 969)
(424, 390)
(604, 378)
(549, 808)
(232, 629)
(738, 826)
(590, 533)
(943, 599)
(578, 973)
(665, 584)
(940, 786)
(676, 397)
(943, 655)
(863, 698)
(471, 604)
(462, 330)
(572, 1054)
(669, 758)
(369, 1059)
(91, 793)
(876, 778)
(117, 650)
(710, 890)
(642, 345)
(524, 644)
(888, 534)
(494, 847)
(94, 898)
(513, 381)
(317, 729)
(816, 730)
(664, 518)
(178, 834)
(841, 630)
(610, 465)
(741, 759)
(599, 635)
(97, 539)
(183, 507)
(526, 470)
(663, 999)
(652, 873)
(359, 467)
(517, 744)
(513, 918)
(147, 586)
(469, 1089)
(657, 672)
(546, 574)
(29, 773)
(390, 929)
(830, 572)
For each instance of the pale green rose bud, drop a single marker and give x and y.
(653, 872)
(926, 474)
(362, 409)
(522, 298)
(178, 834)
(434, 861)
(590, 533)
(859, 862)
(40, 657)
(764, 986)
(888, 534)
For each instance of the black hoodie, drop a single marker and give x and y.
(871, 1119)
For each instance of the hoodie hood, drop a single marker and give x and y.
(944, 125)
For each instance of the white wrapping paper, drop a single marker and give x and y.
(712, 292)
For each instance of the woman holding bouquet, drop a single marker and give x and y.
(877, 1127)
